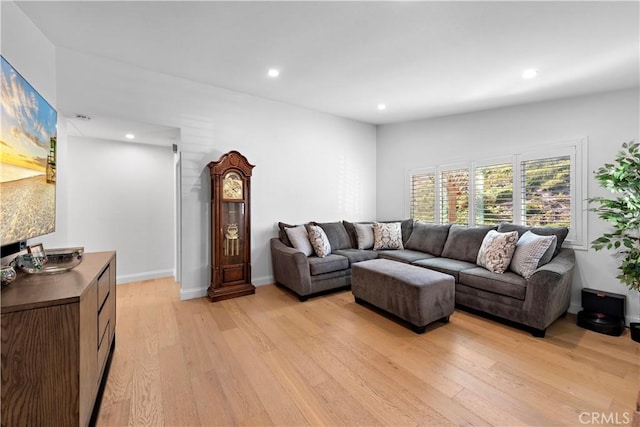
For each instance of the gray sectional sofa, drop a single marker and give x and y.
(534, 302)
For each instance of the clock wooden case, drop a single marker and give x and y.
(230, 227)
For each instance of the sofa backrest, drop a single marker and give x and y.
(429, 238)
(406, 226)
(337, 235)
(560, 232)
(463, 242)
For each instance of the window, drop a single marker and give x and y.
(423, 196)
(546, 191)
(454, 196)
(493, 194)
(542, 187)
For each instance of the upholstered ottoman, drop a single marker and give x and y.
(414, 294)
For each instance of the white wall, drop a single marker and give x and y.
(607, 120)
(309, 165)
(121, 198)
(33, 55)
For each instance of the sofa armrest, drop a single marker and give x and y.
(290, 267)
(549, 290)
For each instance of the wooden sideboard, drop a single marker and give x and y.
(57, 333)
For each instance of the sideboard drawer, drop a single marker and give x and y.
(103, 286)
(103, 347)
(103, 318)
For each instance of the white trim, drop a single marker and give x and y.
(263, 280)
(193, 293)
(147, 275)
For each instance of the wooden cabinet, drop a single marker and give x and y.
(57, 333)
(230, 227)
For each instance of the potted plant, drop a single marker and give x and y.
(623, 212)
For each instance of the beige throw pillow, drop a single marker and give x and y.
(364, 233)
(530, 249)
(319, 241)
(300, 239)
(496, 251)
(387, 235)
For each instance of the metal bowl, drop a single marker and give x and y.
(55, 261)
(7, 275)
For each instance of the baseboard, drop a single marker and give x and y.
(261, 281)
(574, 308)
(147, 275)
(186, 294)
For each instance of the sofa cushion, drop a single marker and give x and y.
(357, 255)
(560, 232)
(463, 242)
(282, 234)
(496, 251)
(328, 264)
(364, 235)
(530, 251)
(404, 255)
(507, 284)
(300, 239)
(406, 226)
(337, 235)
(319, 241)
(429, 238)
(446, 265)
(387, 236)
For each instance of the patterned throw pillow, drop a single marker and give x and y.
(496, 250)
(300, 239)
(364, 233)
(530, 249)
(387, 236)
(319, 241)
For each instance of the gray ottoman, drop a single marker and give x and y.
(415, 294)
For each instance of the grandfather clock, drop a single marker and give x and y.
(230, 227)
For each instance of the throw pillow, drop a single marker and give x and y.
(560, 232)
(530, 249)
(387, 236)
(319, 241)
(300, 239)
(364, 234)
(282, 234)
(496, 250)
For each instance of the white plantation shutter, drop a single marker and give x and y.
(454, 196)
(423, 196)
(493, 194)
(545, 186)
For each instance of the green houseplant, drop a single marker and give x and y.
(623, 212)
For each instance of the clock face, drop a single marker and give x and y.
(232, 186)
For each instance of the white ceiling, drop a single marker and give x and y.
(422, 59)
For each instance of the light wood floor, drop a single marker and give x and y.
(268, 359)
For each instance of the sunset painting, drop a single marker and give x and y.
(27, 160)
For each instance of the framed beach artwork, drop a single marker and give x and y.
(27, 159)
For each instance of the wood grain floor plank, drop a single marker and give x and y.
(278, 405)
(301, 392)
(177, 395)
(268, 359)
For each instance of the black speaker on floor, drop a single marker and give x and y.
(602, 312)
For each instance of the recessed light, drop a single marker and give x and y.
(273, 72)
(530, 73)
(382, 107)
(130, 136)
